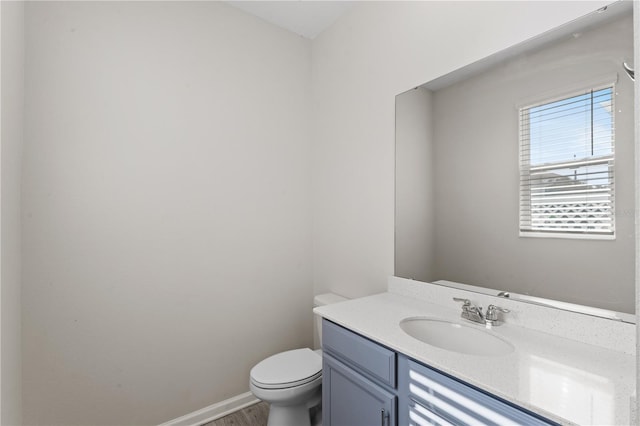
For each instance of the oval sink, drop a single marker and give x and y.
(455, 337)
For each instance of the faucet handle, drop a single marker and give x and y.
(492, 313)
(465, 302)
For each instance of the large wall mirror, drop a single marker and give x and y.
(464, 210)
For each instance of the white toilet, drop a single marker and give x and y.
(291, 381)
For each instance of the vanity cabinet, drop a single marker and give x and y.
(358, 380)
(367, 384)
(349, 399)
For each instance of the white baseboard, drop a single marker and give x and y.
(215, 411)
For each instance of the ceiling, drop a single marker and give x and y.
(305, 18)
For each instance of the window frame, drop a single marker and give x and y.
(524, 167)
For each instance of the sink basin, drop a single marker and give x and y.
(455, 337)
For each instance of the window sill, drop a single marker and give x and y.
(567, 236)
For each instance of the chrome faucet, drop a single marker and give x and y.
(492, 316)
(470, 311)
(473, 313)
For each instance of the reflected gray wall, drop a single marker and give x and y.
(475, 179)
(415, 216)
(11, 135)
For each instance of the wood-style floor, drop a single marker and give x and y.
(253, 415)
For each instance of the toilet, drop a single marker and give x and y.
(291, 381)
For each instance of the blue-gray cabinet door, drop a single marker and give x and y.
(350, 399)
(429, 397)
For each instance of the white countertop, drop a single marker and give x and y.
(562, 379)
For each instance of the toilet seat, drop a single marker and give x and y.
(287, 369)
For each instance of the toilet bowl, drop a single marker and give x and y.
(291, 381)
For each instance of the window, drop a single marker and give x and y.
(567, 166)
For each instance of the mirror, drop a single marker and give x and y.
(458, 169)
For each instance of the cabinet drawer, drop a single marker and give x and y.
(370, 358)
(435, 395)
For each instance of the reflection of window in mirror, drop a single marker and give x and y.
(567, 166)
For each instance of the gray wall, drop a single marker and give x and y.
(165, 207)
(476, 178)
(12, 138)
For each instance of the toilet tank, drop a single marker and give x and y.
(321, 300)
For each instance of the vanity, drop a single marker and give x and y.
(547, 371)
(364, 373)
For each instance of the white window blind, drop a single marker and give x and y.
(567, 166)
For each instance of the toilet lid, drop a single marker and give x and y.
(287, 369)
